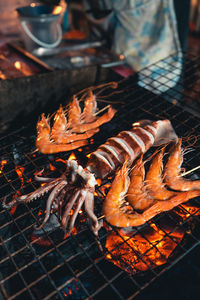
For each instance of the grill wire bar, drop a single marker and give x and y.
(47, 266)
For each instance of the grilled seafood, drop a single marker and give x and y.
(44, 143)
(114, 207)
(68, 135)
(64, 191)
(137, 194)
(154, 179)
(128, 145)
(172, 173)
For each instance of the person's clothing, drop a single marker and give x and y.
(145, 32)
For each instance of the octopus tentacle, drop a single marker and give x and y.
(55, 192)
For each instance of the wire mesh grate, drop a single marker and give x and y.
(47, 266)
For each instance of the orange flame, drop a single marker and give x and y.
(98, 181)
(72, 156)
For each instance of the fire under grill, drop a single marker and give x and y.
(46, 264)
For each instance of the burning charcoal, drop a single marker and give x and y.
(51, 224)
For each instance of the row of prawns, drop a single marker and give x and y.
(72, 127)
(135, 199)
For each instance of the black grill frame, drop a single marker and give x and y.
(18, 146)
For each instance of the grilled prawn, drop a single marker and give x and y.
(137, 194)
(154, 179)
(149, 193)
(66, 135)
(115, 211)
(172, 173)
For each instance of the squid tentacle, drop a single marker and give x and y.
(31, 196)
(68, 207)
(81, 199)
(44, 179)
(89, 208)
(54, 193)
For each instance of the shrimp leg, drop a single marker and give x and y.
(97, 123)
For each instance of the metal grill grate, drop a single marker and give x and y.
(50, 267)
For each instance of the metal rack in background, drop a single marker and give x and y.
(50, 267)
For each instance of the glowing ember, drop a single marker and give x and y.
(151, 247)
(2, 164)
(20, 170)
(104, 188)
(74, 232)
(61, 160)
(51, 167)
(98, 181)
(143, 251)
(192, 210)
(13, 209)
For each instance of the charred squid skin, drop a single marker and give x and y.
(31, 196)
